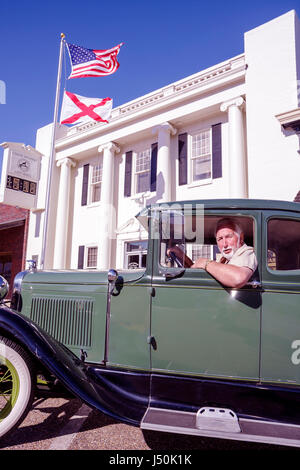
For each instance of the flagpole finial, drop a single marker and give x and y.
(62, 35)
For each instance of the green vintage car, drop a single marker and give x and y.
(168, 348)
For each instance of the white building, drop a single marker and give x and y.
(229, 131)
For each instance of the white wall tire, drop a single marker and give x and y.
(16, 385)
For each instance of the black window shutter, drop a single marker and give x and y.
(153, 167)
(128, 170)
(216, 151)
(85, 185)
(80, 257)
(215, 252)
(182, 158)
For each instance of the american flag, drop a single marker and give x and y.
(93, 62)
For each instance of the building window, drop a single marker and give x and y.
(200, 156)
(92, 257)
(96, 180)
(136, 254)
(142, 171)
(195, 251)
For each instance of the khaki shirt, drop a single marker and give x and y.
(244, 257)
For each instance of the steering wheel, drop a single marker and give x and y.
(175, 259)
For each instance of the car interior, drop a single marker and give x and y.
(195, 234)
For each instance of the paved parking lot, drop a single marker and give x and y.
(68, 424)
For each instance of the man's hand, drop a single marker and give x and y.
(179, 253)
(200, 263)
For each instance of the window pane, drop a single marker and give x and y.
(201, 251)
(201, 144)
(201, 168)
(143, 161)
(271, 259)
(201, 156)
(96, 180)
(137, 246)
(283, 244)
(136, 254)
(143, 182)
(142, 170)
(144, 261)
(97, 173)
(96, 192)
(92, 255)
(133, 261)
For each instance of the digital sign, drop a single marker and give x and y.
(21, 168)
(18, 184)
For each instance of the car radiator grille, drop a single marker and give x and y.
(68, 320)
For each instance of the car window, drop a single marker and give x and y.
(283, 244)
(195, 235)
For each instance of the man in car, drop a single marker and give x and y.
(237, 263)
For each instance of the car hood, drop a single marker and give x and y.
(79, 277)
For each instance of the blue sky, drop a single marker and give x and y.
(164, 41)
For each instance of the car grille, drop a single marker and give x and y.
(68, 320)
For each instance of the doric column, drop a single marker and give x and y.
(237, 148)
(108, 187)
(62, 216)
(164, 132)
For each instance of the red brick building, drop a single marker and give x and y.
(13, 240)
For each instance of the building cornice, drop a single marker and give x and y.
(290, 119)
(20, 146)
(212, 78)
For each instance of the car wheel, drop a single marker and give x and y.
(16, 385)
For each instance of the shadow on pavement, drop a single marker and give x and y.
(33, 430)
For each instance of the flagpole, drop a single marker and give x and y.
(52, 153)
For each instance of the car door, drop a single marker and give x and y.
(280, 346)
(198, 326)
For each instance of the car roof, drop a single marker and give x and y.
(262, 204)
(222, 204)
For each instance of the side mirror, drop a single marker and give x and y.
(3, 287)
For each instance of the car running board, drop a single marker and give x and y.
(221, 423)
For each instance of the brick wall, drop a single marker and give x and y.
(13, 237)
(11, 213)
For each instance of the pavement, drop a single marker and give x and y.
(68, 424)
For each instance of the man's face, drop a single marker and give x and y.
(228, 241)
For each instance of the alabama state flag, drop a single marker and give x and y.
(79, 109)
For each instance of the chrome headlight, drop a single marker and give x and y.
(3, 287)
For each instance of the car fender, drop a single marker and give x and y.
(73, 373)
